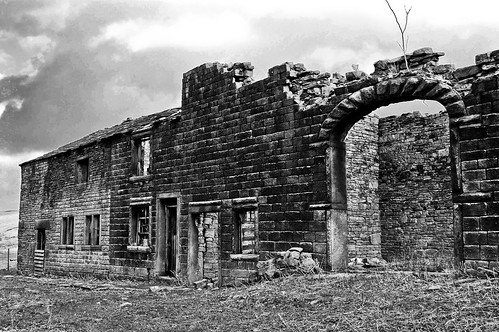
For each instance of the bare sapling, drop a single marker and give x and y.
(405, 39)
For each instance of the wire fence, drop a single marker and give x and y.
(8, 259)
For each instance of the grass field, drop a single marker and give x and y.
(342, 302)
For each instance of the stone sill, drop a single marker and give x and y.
(244, 257)
(142, 249)
(65, 247)
(88, 247)
(140, 178)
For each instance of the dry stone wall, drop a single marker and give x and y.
(362, 163)
(414, 185)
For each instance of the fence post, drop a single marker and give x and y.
(8, 259)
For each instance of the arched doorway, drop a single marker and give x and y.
(354, 107)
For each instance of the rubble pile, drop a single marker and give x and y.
(291, 261)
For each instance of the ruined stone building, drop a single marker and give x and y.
(245, 169)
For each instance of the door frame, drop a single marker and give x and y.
(162, 233)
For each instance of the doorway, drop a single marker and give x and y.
(356, 106)
(39, 255)
(40, 239)
(167, 256)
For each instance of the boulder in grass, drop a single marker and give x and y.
(267, 269)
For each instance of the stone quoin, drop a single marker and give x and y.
(247, 169)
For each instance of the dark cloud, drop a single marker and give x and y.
(12, 87)
(14, 17)
(79, 89)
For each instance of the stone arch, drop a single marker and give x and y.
(353, 108)
(400, 89)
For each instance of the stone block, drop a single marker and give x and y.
(484, 84)
(319, 248)
(491, 119)
(465, 72)
(471, 252)
(489, 223)
(474, 209)
(490, 96)
(493, 238)
(489, 185)
(375, 238)
(471, 224)
(473, 238)
(488, 252)
(469, 165)
(473, 175)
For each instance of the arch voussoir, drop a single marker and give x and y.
(381, 89)
(364, 96)
(411, 84)
(396, 86)
(425, 86)
(449, 97)
(438, 91)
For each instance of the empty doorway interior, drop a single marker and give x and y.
(167, 246)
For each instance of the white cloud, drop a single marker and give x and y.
(337, 59)
(5, 57)
(16, 159)
(3, 105)
(191, 32)
(16, 103)
(40, 43)
(284, 9)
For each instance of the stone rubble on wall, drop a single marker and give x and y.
(421, 58)
(312, 88)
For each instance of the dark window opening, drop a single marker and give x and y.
(141, 156)
(67, 230)
(92, 229)
(82, 170)
(140, 228)
(244, 232)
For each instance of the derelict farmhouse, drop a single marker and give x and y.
(246, 169)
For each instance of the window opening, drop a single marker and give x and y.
(92, 229)
(82, 170)
(244, 232)
(142, 156)
(67, 230)
(141, 226)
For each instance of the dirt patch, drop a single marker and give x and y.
(342, 302)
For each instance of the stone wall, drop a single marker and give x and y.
(32, 197)
(262, 146)
(237, 139)
(415, 186)
(50, 192)
(362, 189)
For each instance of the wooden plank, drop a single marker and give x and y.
(39, 261)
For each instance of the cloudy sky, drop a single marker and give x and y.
(68, 68)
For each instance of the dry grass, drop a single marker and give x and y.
(380, 301)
